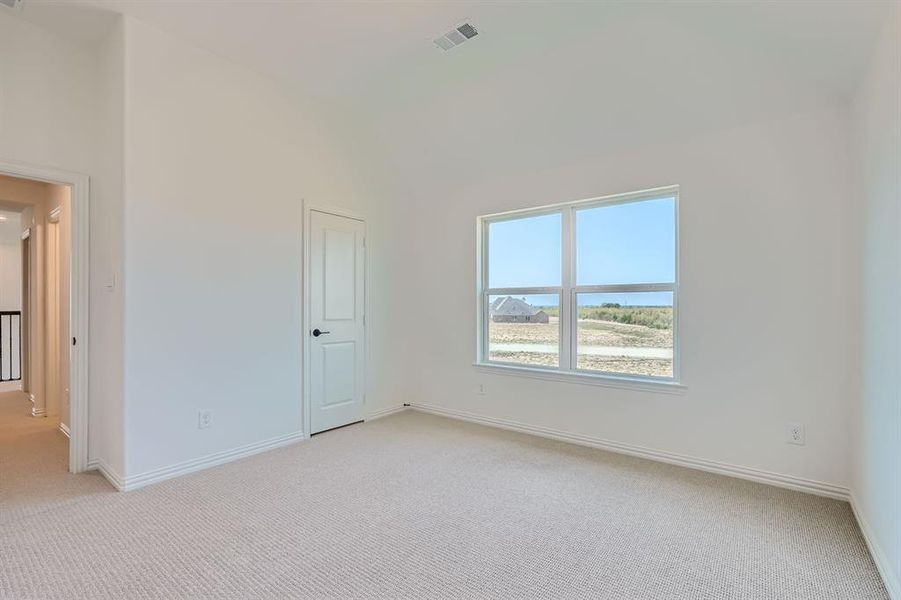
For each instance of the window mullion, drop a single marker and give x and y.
(566, 298)
(514, 291)
(625, 288)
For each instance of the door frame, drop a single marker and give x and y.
(79, 298)
(53, 385)
(25, 318)
(308, 209)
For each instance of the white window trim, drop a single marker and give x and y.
(567, 293)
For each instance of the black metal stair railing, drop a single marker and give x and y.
(10, 345)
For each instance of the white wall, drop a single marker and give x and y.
(644, 98)
(767, 297)
(215, 154)
(51, 114)
(218, 159)
(107, 411)
(877, 482)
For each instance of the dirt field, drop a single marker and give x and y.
(601, 338)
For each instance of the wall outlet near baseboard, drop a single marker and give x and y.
(794, 434)
(481, 389)
(204, 419)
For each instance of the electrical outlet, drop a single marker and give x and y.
(481, 391)
(795, 434)
(204, 419)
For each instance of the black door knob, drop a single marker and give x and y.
(317, 333)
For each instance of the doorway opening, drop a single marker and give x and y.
(43, 316)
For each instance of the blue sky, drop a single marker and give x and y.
(620, 243)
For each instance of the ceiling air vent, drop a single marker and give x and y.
(14, 4)
(454, 37)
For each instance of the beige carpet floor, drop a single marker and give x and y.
(415, 506)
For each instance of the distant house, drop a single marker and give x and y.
(513, 310)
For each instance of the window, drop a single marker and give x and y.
(583, 288)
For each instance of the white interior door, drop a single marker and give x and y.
(337, 298)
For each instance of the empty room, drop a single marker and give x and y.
(450, 299)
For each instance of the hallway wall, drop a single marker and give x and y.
(58, 335)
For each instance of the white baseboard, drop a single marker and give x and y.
(114, 478)
(64, 429)
(137, 481)
(218, 458)
(883, 565)
(776, 479)
(378, 414)
(212, 460)
(38, 412)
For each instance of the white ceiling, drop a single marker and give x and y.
(342, 50)
(543, 81)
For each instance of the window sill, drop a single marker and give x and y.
(625, 383)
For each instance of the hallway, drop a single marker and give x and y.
(34, 462)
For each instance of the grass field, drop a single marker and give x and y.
(635, 341)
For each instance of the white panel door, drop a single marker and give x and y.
(337, 298)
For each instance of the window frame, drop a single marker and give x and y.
(568, 292)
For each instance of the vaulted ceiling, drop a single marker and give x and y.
(348, 49)
(542, 80)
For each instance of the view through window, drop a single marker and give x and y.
(585, 287)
